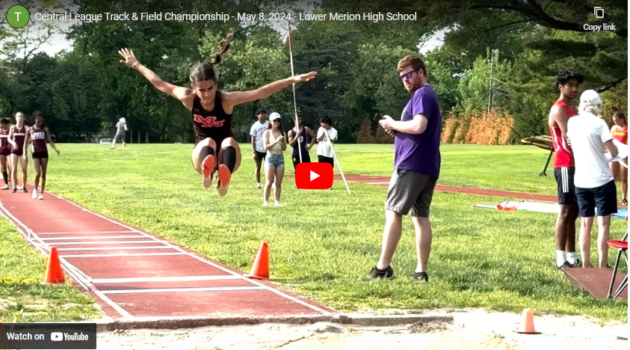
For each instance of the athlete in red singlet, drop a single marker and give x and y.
(17, 136)
(38, 135)
(212, 112)
(5, 150)
(619, 132)
(568, 83)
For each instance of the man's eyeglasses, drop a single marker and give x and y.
(408, 75)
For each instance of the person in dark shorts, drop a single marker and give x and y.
(568, 82)
(5, 151)
(417, 163)
(594, 182)
(38, 135)
(258, 149)
(299, 143)
(211, 111)
(17, 136)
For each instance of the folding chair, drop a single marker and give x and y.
(623, 248)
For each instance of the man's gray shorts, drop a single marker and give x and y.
(410, 193)
(120, 136)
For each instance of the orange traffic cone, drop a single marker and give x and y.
(54, 272)
(527, 323)
(260, 266)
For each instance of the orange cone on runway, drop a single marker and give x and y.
(260, 266)
(54, 272)
(527, 323)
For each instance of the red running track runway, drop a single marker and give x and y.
(136, 276)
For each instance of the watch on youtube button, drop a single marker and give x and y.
(314, 176)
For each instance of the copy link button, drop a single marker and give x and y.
(314, 176)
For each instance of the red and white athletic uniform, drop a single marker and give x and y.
(18, 137)
(38, 137)
(563, 164)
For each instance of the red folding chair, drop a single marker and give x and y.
(622, 246)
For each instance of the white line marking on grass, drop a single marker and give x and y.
(118, 255)
(190, 290)
(95, 237)
(113, 248)
(313, 307)
(163, 279)
(70, 269)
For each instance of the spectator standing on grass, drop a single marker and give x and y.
(568, 82)
(326, 136)
(299, 136)
(619, 132)
(259, 153)
(121, 127)
(594, 183)
(417, 164)
(275, 142)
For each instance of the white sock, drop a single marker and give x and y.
(561, 257)
(276, 203)
(265, 203)
(571, 257)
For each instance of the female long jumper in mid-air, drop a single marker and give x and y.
(212, 111)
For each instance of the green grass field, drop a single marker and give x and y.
(321, 242)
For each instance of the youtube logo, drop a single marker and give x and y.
(314, 176)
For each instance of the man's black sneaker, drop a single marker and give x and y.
(564, 266)
(577, 264)
(376, 273)
(421, 276)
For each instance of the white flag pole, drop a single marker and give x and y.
(337, 159)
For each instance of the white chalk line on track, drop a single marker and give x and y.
(273, 290)
(75, 273)
(95, 237)
(118, 255)
(182, 290)
(113, 248)
(164, 279)
(104, 242)
(79, 232)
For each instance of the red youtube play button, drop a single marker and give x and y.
(314, 176)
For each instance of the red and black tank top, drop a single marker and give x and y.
(215, 124)
(564, 153)
(18, 137)
(38, 137)
(4, 139)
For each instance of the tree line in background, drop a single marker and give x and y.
(494, 74)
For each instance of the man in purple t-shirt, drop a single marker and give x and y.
(416, 169)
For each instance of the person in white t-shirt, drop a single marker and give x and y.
(595, 187)
(324, 148)
(258, 149)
